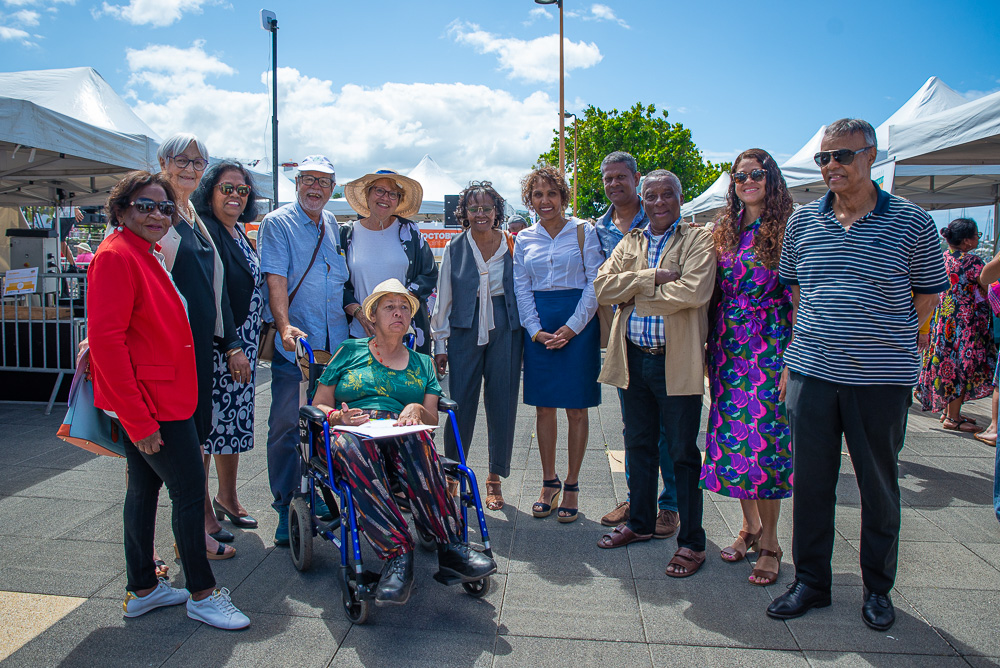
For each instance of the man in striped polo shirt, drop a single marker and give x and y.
(865, 268)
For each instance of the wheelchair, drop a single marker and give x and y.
(320, 481)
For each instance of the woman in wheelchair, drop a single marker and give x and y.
(379, 378)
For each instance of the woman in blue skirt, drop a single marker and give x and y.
(555, 264)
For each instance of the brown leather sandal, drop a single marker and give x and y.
(770, 576)
(687, 559)
(733, 553)
(494, 496)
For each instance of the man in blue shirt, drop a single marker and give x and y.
(305, 301)
(620, 175)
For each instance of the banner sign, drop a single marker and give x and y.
(438, 237)
(884, 174)
(20, 281)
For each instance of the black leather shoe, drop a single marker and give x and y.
(458, 560)
(797, 601)
(223, 536)
(877, 611)
(397, 581)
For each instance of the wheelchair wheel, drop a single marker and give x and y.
(479, 588)
(426, 541)
(300, 533)
(355, 609)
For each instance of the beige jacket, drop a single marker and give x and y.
(683, 303)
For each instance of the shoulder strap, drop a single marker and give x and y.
(510, 242)
(579, 238)
(322, 235)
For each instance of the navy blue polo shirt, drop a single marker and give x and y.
(856, 324)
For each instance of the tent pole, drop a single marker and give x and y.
(996, 212)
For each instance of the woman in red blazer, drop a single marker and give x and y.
(142, 365)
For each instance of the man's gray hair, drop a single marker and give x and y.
(620, 157)
(660, 174)
(177, 143)
(851, 126)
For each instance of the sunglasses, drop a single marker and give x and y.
(756, 175)
(146, 205)
(182, 161)
(482, 209)
(843, 156)
(228, 188)
(382, 192)
(307, 180)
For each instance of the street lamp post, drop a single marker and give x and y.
(576, 165)
(269, 22)
(562, 87)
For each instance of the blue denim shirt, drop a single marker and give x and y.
(286, 240)
(608, 233)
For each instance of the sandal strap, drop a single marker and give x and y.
(554, 483)
(574, 487)
(764, 552)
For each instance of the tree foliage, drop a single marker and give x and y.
(650, 137)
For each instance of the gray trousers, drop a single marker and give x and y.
(499, 364)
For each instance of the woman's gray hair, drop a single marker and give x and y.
(850, 126)
(177, 143)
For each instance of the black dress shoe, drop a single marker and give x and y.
(877, 611)
(397, 581)
(797, 601)
(223, 536)
(458, 561)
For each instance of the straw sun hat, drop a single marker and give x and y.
(356, 193)
(391, 286)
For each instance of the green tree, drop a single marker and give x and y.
(649, 136)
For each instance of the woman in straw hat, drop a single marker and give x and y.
(380, 378)
(385, 244)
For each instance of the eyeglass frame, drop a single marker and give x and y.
(233, 188)
(818, 157)
(188, 161)
(318, 180)
(741, 177)
(146, 201)
(393, 195)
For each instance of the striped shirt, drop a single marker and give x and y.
(648, 330)
(856, 324)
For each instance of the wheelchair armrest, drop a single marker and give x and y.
(445, 404)
(312, 414)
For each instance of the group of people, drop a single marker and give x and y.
(774, 306)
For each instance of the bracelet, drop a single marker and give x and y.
(356, 311)
(233, 351)
(329, 416)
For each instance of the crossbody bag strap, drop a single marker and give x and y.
(322, 235)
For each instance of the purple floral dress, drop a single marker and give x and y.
(748, 444)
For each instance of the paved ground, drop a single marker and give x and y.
(557, 598)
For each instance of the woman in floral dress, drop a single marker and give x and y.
(748, 444)
(959, 364)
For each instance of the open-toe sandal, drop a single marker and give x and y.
(988, 439)
(621, 535)
(964, 426)
(540, 509)
(734, 553)
(963, 418)
(494, 496)
(687, 559)
(770, 577)
(566, 515)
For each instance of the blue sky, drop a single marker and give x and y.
(475, 83)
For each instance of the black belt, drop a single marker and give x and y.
(659, 350)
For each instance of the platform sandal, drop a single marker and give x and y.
(571, 513)
(539, 509)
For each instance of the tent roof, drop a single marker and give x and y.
(965, 135)
(709, 201)
(434, 180)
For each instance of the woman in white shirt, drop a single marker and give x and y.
(477, 329)
(555, 264)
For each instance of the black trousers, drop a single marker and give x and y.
(180, 466)
(646, 407)
(872, 419)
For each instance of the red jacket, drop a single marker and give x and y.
(141, 350)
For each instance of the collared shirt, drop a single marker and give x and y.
(542, 264)
(856, 323)
(286, 240)
(609, 234)
(648, 330)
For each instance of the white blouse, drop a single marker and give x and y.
(374, 256)
(543, 264)
(490, 285)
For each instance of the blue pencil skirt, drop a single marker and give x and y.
(567, 377)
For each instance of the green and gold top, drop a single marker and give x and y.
(363, 382)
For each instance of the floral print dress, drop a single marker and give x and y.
(960, 361)
(748, 443)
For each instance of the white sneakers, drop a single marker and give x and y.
(218, 610)
(162, 596)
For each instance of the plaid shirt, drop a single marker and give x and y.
(648, 331)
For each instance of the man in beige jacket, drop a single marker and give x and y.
(662, 278)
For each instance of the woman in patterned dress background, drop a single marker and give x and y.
(748, 443)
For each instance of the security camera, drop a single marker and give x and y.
(268, 19)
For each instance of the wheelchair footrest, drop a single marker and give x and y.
(317, 464)
(447, 580)
(449, 465)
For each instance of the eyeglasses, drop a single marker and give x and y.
(482, 209)
(228, 188)
(308, 180)
(183, 161)
(146, 205)
(382, 192)
(843, 156)
(756, 175)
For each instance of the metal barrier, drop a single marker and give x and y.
(41, 332)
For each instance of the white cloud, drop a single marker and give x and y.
(156, 13)
(24, 17)
(472, 131)
(35, 3)
(9, 34)
(604, 13)
(976, 94)
(529, 60)
(538, 13)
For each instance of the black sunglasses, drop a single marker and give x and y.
(756, 175)
(146, 205)
(228, 188)
(844, 156)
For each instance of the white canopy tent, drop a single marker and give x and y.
(705, 206)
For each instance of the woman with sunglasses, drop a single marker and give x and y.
(143, 369)
(385, 244)
(748, 442)
(961, 359)
(477, 329)
(226, 198)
